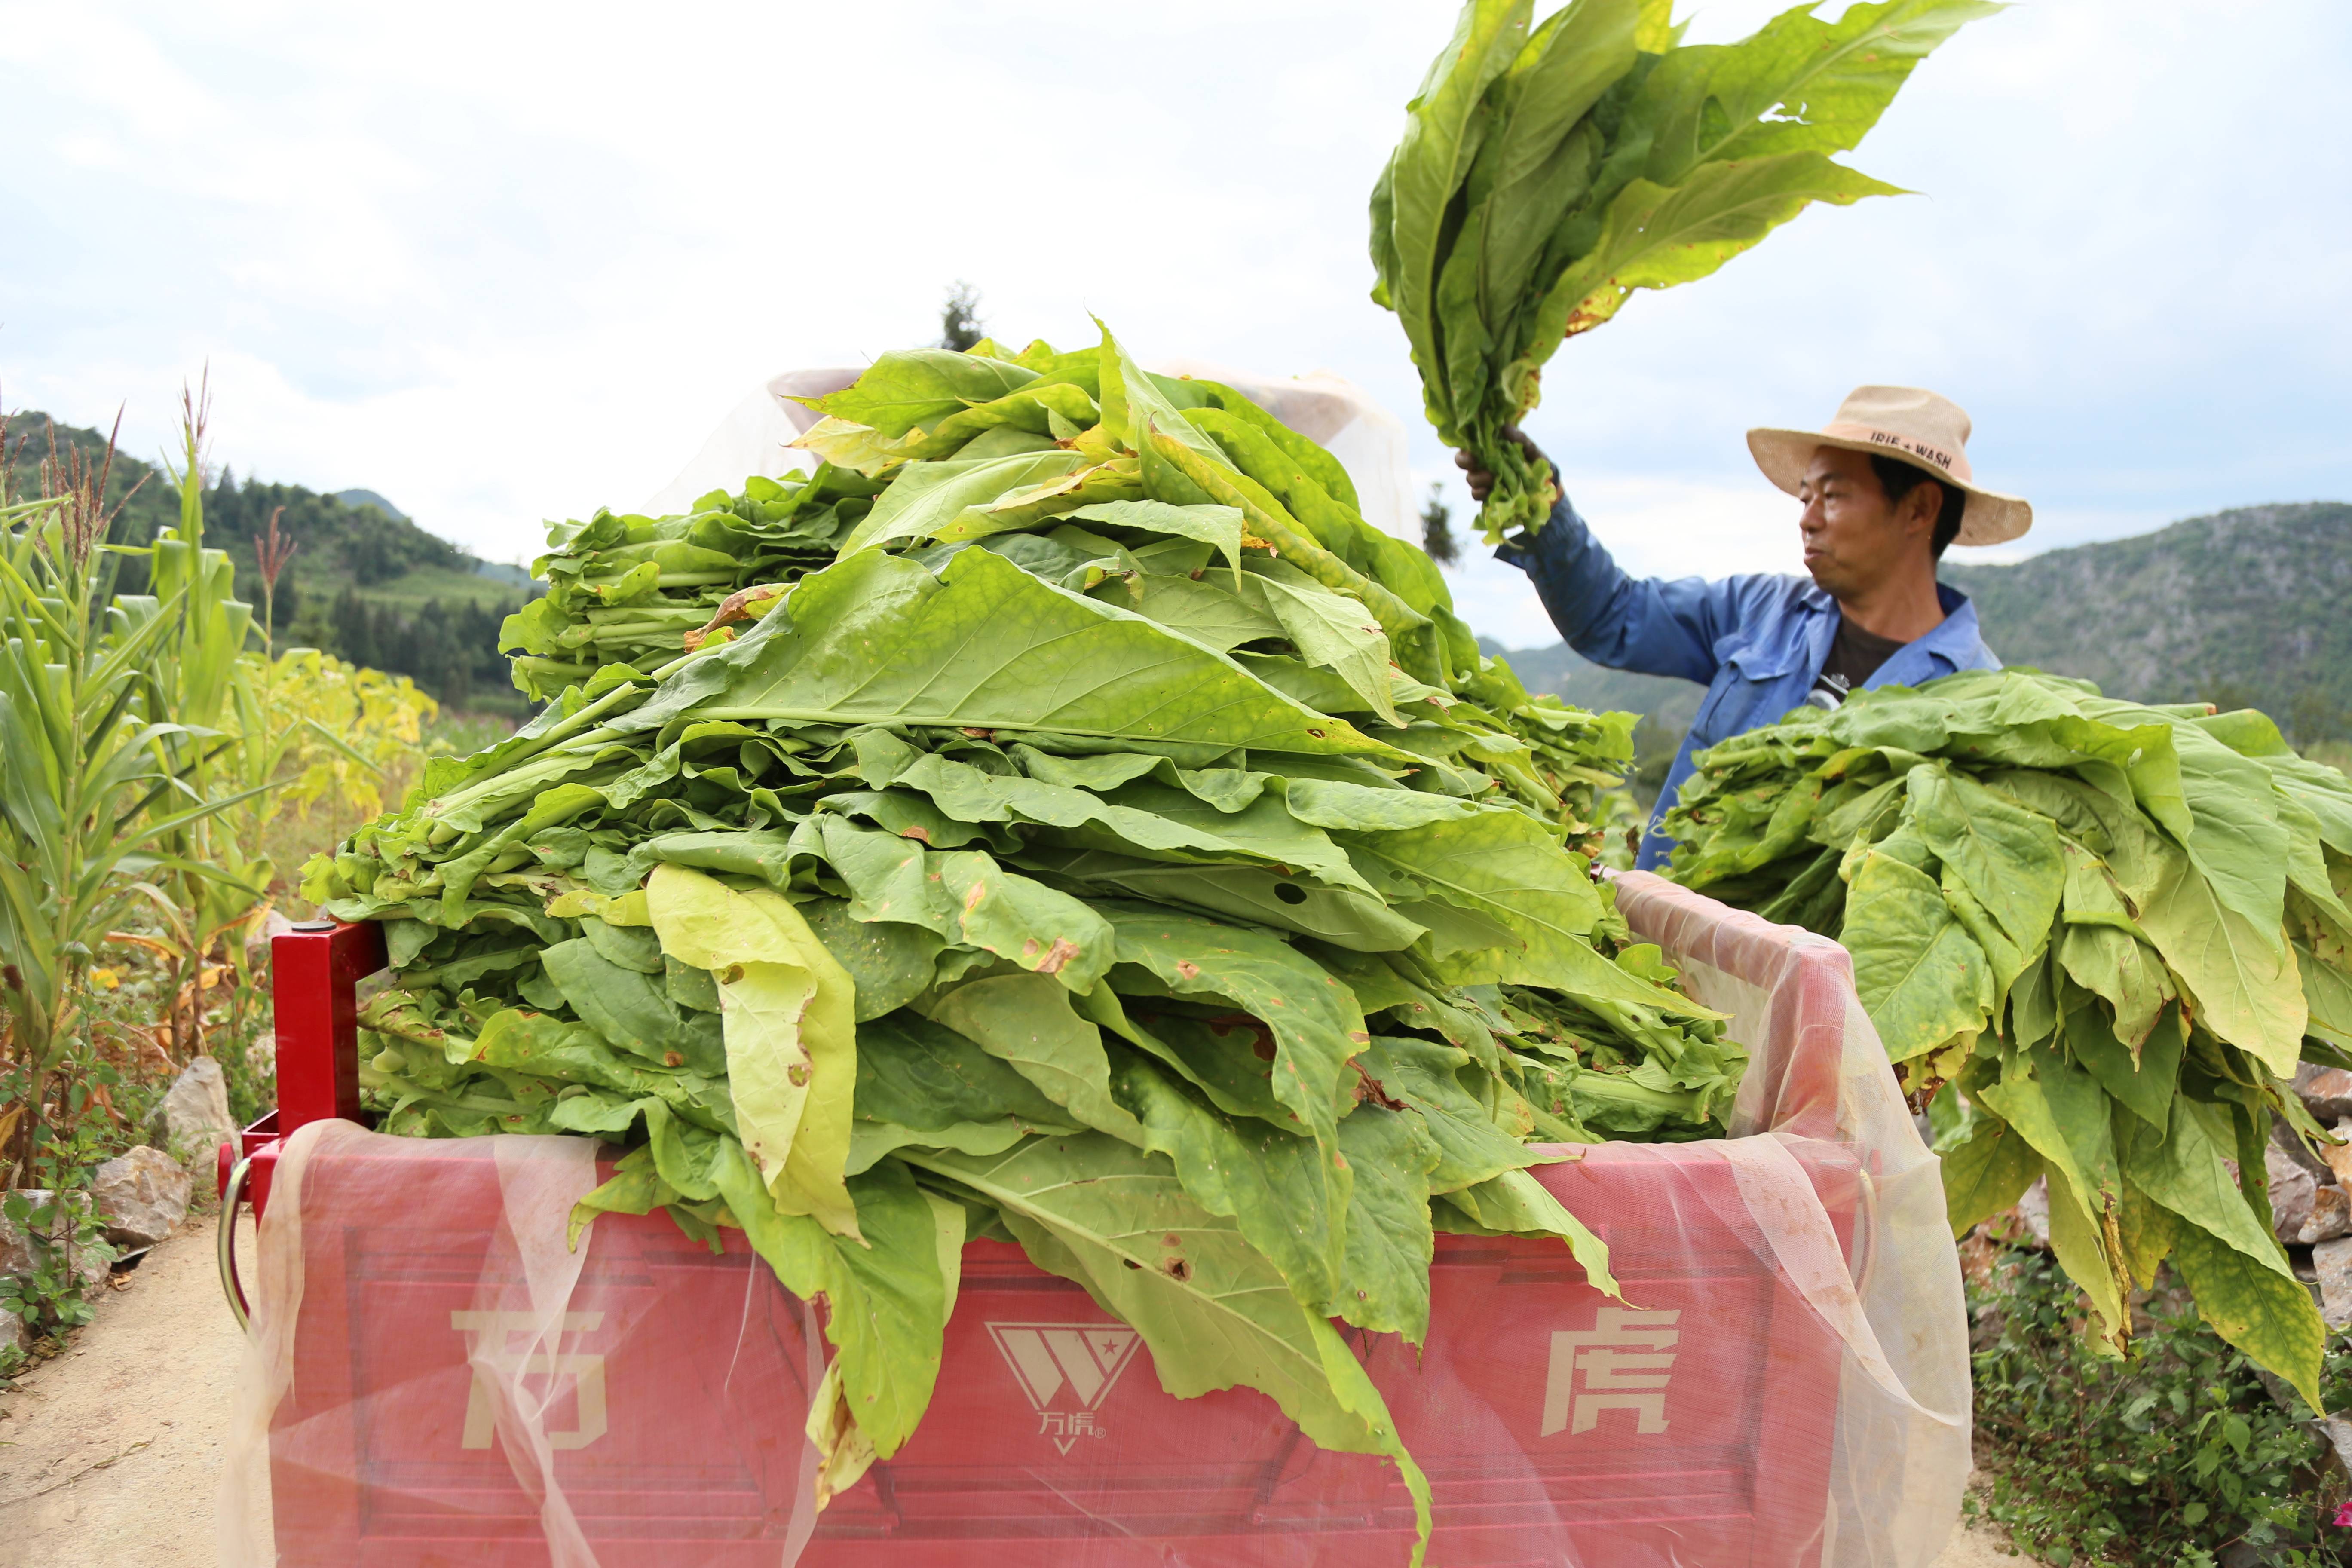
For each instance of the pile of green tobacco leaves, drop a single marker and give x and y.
(1115, 845)
(631, 590)
(1545, 173)
(2114, 930)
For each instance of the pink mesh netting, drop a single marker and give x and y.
(433, 1378)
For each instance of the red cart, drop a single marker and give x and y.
(434, 1379)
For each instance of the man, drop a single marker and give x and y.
(1886, 488)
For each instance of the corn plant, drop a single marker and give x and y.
(218, 880)
(98, 782)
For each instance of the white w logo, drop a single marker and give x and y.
(1046, 1358)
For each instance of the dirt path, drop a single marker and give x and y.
(110, 1453)
(113, 1449)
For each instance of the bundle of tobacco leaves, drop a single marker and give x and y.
(1550, 169)
(1093, 836)
(2107, 932)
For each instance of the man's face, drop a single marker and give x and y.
(1854, 538)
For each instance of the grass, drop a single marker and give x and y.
(411, 589)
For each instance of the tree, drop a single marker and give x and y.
(960, 324)
(1437, 528)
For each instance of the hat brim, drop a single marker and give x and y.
(1990, 518)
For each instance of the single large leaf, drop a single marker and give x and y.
(2262, 1312)
(963, 896)
(887, 1303)
(2008, 857)
(1920, 977)
(1798, 84)
(926, 1076)
(789, 1019)
(1288, 1195)
(877, 640)
(2241, 977)
(1218, 525)
(1502, 865)
(2144, 1080)
(1208, 612)
(1026, 1021)
(1987, 1174)
(1426, 1078)
(919, 386)
(1516, 1203)
(631, 1010)
(1390, 1240)
(926, 498)
(1312, 1016)
(1329, 629)
(2184, 1170)
(1356, 920)
(1656, 236)
(1213, 1310)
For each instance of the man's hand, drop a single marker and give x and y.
(1482, 482)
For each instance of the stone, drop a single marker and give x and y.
(196, 1113)
(141, 1196)
(256, 944)
(2332, 1262)
(2331, 1215)
(2327, 1092)
(2339, 1156)
(2291, 1143)
(2293, 1192)
(13, 1336)
(91, 1266)
(2033, 1208)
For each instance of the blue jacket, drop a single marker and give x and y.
(1757, 643)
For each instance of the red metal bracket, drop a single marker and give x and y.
(314, 971)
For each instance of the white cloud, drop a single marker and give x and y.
(499, 264)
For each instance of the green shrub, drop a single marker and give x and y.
(2171, 1456)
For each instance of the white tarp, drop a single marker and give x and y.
(1322, 405)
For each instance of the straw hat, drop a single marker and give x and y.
(1903, 421)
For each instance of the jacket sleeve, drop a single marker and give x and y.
(1647, 625)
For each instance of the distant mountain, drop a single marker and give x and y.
(2243, 608)
(365, 584)
(369, 498)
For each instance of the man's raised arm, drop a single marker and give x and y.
(1647, 625)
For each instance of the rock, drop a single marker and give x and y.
(196, 1113)
(141, 1196)
(256, 943)
(2293, 1192)
(13, 1336)
(2332, 1261)
(2291, 1143)
(2331, 1215)
(92, 1265)
(2339, 1156)
(2327, 1091)
(2033, 1208)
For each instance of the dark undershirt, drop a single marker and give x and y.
(1854, 657)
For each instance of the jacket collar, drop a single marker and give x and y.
(1951, 644)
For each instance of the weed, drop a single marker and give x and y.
(2168, 1457)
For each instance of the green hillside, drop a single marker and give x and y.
(2244, 608)
(365, 584)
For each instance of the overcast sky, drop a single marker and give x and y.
(501, 263)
